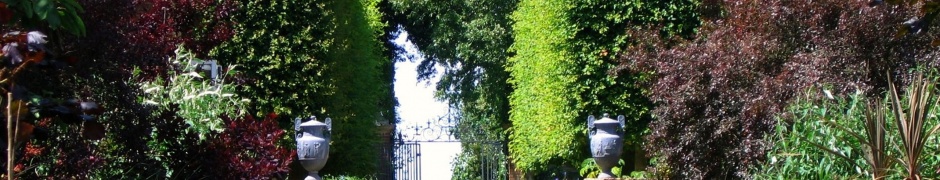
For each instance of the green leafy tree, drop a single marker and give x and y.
(469, 40)
(321, 58)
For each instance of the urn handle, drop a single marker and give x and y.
(623, 126)
(590, 124)
(329, 124)
(297, 131)
(329, 129)
(296, 124)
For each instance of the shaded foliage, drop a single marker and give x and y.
(30, 63)
(144, 33)
(121, 35)
(718, 93)
(183, 155)
(62, 156)
(247, 149)
(125, 35)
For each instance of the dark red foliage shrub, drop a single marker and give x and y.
(64, 157)
(181, 150)
(248, 149)
(143, 33)
(718, 94)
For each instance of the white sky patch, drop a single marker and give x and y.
(417, 105)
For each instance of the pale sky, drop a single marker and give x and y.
(416, 106)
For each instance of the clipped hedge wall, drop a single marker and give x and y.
(565, 53)
(302, 58)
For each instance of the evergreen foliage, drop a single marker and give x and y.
(321, 58)
(544, 106)
(565, 53)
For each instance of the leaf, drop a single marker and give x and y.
(27, 9)
(53, 19)
(833, 152)
(70, 25)
(73, 23)
(80, 25)
(72, 5)
(43, 8)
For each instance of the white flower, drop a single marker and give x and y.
(828, 94)
(35, 41)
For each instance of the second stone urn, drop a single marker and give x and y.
(606, 143)
(313, 145)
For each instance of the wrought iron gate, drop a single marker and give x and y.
(492, 161)
(406, 152)
(407, 160)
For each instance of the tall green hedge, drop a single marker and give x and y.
(565, 53)
(543, 72)
(302, 58)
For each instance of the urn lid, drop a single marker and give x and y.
(606, 120)
(312, 122)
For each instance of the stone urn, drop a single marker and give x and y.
(606, 143)
(313, 145)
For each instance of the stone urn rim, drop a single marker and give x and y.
(606, 120)
(313, 123)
